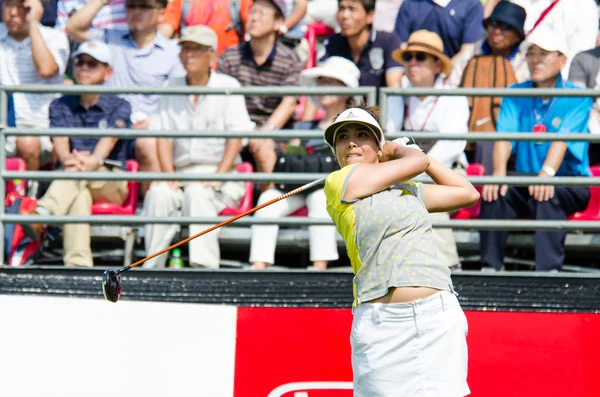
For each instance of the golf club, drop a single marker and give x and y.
(111, 280)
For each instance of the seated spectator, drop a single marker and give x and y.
(545, 52)
(334, 72)
(11, 120)
(111, 16)
(26, 63)
(457, 22)
(72, 197)
(196, 155)
(217, 15)
(294, 27)
(369, 49)
(574, 20)
(585, 72)
(264, 61)
(504, 28)
(426, 65)
(141, 57)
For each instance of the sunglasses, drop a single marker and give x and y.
(419, 56)
(91, 64)
(500, 25)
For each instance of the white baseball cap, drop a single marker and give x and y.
(338, 68)
(96, 49)
(354, 115)
(199, 34)
(547, 39)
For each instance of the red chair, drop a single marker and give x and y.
(126, 233)
(474, 169)
(129, 205)
(246, 202)
(18, 185)
(592, 212)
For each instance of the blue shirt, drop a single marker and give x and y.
(558, 115)
(375, 59)
(458, 23)
(150, 66)
(109, 112)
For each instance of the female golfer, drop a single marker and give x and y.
(409, 332)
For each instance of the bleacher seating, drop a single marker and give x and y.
(246, 202)
(474, 169)
(18, 185)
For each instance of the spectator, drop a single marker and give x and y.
(196, 155)
(369, 49)
(334, 72)
(111, 16)
(49, 16)
(457, 22)
(11, 121)
(504, 28)
(426, 65)
(215, 14)
(575, 20)
(31, 54)
(71, 197)
(585, 72)
(545, 52)
(264, 61)
(141, 57)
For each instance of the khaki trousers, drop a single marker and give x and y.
(72, 197)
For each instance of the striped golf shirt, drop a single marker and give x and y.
(282, 68)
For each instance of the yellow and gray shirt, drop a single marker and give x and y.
(388, 238)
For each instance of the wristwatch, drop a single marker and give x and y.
(100, 159)
(549, 170)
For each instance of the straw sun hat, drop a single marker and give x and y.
(429, 43)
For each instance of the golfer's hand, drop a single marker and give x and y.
(408, 142)
(390, 150)
(490, 192)
(541, 192)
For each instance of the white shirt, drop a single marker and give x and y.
(17, 68)
(212, 113)
(577, 20)
(449, 114)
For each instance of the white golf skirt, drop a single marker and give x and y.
(410, 349)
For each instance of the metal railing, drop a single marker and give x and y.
(369, 92)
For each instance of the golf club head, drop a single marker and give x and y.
(111, 285)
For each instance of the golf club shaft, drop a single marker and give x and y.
(226, 222)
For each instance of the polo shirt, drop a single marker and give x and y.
(210, 113)
(17, 68)
(558, 115)
(110, 112)
(150, 66)
(282, 68)
(457, 22)
(375, 59)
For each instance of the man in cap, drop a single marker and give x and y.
(264, 61)
(92, 66)
(546, 55)
(196, 155)
(142, 56)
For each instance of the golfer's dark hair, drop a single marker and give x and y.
(372, 110)
(368, 5)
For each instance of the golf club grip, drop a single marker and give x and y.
(225, 222)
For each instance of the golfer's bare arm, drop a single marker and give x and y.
(451, 191)
(368, 179)
(78, 24)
